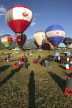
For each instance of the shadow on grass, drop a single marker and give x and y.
(3, 68)
(68, 74)
(9, 76)
(31, 88)
(60, 82)
(62, 67)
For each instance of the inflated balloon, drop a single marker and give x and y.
(20, 40)
(55, 34)
(6, 40)
(18, 19)
(67, 41)
(39, 36)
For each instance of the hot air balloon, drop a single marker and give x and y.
(39, 36)
(6, 40)
(55, 34)
(18, 19)
(20, 40)
(67, 41)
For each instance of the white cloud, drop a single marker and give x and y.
(2, 10)
(33, 23)
(34, 19)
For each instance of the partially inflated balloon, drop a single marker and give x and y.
(67, 41)
(55, 34)
(47, 45)
(6, 40)
(39, 36)
(20, 40)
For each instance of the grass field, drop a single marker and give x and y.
(35, 87)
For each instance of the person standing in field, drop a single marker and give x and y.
(8, 59)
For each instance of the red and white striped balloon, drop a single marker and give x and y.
(18, 18)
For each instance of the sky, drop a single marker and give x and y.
(45, 13)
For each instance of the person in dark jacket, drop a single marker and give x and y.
(39, 57)
(8, 59)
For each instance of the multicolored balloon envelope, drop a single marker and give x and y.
(6, 40)
(39, 36)
(18, 18)
(55, 34)
(67, 41)
(20, 40)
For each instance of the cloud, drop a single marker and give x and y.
(35, 15)
(33, 23)
(2, 10)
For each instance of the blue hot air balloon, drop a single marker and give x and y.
(55, 34)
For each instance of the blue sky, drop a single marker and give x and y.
(45, 13)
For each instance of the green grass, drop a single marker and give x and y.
(35, 87)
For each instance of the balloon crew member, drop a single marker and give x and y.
(23, 58)
(39, 57)
(8, 59)
(26, 63)
(42, 62)
(58, 59)
(49, 61)
(34, 60)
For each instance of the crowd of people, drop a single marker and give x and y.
(65, 60)
(46, 61)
